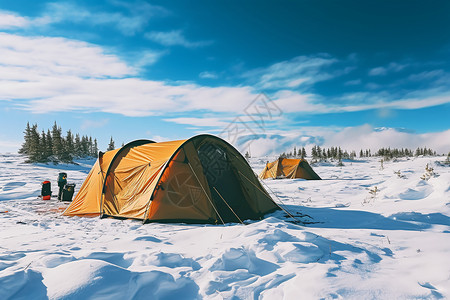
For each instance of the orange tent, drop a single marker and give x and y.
(199, 180)
(289, 168)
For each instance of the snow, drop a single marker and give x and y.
(393, 243)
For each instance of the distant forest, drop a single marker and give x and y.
(52, 146)
(318, 153)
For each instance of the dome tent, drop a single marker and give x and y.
(289, 168)
(200, 180)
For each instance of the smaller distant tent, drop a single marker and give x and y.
(289, 168)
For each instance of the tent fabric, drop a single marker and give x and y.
(289, 168)
(93, 184)
(200, 180)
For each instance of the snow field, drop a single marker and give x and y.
(393, 244)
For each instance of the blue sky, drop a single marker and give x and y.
(353, 73)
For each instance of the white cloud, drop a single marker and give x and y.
(70, 12)
(55, 74)
(204, 122)
(208, 75)
(353, 82)
(33, 58)
(378, 71)
(60, 12)
(293, 73)
(9, 20)
(391, 67)
(427, 75)
(148, 57)
(174, 38)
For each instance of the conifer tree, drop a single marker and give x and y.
(314, 152)
(57, 141)
(303, 155)
(35, 154)
(94, 149)
(49, 144)
(26, 144)
(45, 151)
(77, 146)
(111, 145)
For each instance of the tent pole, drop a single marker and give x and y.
(228, 205)
(289, 214)
(206, 193)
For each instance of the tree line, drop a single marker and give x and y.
(53, 146)
(318, 153)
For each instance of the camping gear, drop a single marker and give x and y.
(46, 192)
(62, 180)
(200, 180)
(67, 192)
(289, 168)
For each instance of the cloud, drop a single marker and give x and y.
(31, 59)
(130, 23)
(148, 57)
(9, 20)
(428, 75)
(174, 38)
(300, 70)
(208, 75)
(63, 12)
(353, 82)
(203, 122)
(44, 74)
(391, 67)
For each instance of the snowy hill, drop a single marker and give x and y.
(367, 233)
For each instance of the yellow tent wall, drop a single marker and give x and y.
(87, 201)
(289, 168)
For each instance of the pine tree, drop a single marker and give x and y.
(70, 142)
(49, 146)
(314, 152)
(340, 154)
(91, 146)
(57, 141)
(295, 152)
(94, 149)
(303, 155)
(67, 150)
(35, 153)
(84, 146)
(77, 146)
(27, 137)
(111, 145)
(45, 151)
